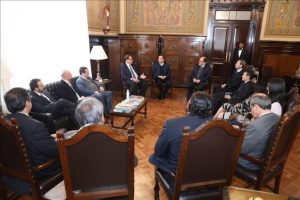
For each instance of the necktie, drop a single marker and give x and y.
(131, 71)
(48, 99)
(73, 89)
(199, 72)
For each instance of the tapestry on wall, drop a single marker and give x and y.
(168, 16)
(283, 18)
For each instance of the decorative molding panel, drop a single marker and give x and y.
(165, 17)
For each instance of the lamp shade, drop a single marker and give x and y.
(98, 53)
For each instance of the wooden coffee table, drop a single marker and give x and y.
(141, 109)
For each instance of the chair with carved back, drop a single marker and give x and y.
(275, 155)
(15, 165)
(207, 160)
(154, 86)
(98, 162)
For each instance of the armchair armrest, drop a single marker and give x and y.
(44, 165)
(250, 158)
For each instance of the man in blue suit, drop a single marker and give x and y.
(199, 77)
(88, 87)
(132, 78)
(166, 151)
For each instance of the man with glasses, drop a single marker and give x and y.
(258, 131)
(132, 78)
(199, 77)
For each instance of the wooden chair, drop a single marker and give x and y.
(276, 153)
(98, 163)
(154, 88)
(15, 163)
(207, 160)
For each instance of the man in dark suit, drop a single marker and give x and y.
(240, 53)
(89, 87)
(65, 88)
(162, 76)
(258, 131)
(236, 78)
(244, 91)
(166, 151)
(41, 146)
(132, 78)
(43, 102)
(199, 77)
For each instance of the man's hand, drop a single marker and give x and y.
(135, 80)
(223, 85)
(227, 97)
(101, 89)
(143, 76)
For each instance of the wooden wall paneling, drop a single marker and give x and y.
(114, 62)
(147, 55)
(283, 57)
(172, 46)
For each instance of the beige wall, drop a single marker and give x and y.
(281, 21)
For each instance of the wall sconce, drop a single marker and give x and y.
(98, 54)
(106, 28)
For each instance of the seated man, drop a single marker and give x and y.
(166, 151)
(258, 131)
(244, 91)
(43, 102)
(236, 78)
(41, 146)
(162, 75)
(132, 79)
(65, 89)
(199, 77)
(88, 87)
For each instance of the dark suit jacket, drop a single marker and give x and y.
(64, 91)
(167, 147)
(235, 81)
(244, 91)
(125, 73)
(40, 104)
(244, 55)
(205, 74)
(166, 70)
(256, 138)
(40, 144)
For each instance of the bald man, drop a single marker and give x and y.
(65, 88)
(199, 77)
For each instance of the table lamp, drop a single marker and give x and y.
(98, 54)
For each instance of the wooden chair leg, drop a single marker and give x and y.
(277, 183)
(156, 190)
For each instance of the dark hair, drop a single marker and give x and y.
(126, 57)
(276, 90)
(249, 73)
(15, 99)
(34, 83)
(82, 70)
(199, 104)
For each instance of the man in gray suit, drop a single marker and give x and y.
(258, 132)
(88, 87)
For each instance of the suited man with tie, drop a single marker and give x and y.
(89, 87)
(240, 53)
(41, 146)
(199, 77)
(43, 102)
(162, 74)
(66, 90)
(131, 77)
(236, 78)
